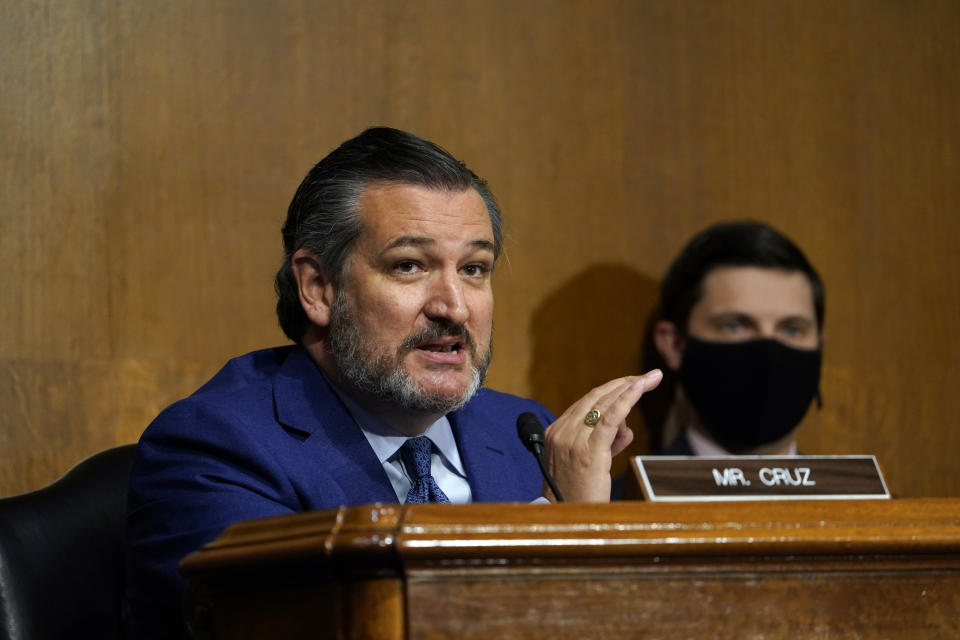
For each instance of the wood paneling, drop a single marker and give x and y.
(150, 150)
(857, 569)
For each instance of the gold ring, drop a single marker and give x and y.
(593, 417)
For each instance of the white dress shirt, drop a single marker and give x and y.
(445, 464)
(705, 447)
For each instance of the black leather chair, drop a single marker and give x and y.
(61, 553)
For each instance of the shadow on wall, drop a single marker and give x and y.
(590, 330)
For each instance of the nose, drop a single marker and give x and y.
(767, 331)
(446, 300)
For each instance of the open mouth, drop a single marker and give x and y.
(442, 347)
(449, 343)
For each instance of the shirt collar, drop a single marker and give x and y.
(704, 447)
(386, 441)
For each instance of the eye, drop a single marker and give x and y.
(406, 267)
(795, 329)
(475, 270)
(731, 325)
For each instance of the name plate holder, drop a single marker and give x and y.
(743, 478)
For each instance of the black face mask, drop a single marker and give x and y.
(749, 393)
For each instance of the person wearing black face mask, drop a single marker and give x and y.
(739, 335)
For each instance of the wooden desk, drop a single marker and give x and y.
(824, 569)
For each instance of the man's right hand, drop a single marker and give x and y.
(579, 455)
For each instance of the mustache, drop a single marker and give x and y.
(439, 330)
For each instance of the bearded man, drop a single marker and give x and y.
(385, 291)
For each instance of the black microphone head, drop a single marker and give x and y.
(530, 431)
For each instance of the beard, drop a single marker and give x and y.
(371, 369)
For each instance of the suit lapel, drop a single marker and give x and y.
(304, 402)
(491, 476)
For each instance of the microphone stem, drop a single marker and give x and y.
(549, 478)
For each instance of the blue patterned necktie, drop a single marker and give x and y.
(415, 454)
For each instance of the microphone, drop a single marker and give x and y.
(531, 435)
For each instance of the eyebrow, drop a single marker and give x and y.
(739, 315)
(422, 241)
(798, 318)
(723, 316)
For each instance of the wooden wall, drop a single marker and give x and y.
(150, 149)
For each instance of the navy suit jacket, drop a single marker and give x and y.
(267, 436)
(679, 447)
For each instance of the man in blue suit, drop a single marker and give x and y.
(385, 291)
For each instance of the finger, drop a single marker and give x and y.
(618, 402)
(595, 395)
(641, 384)
(622, 441)
(594, 413)
(652, 379)
(572, 427)
(615, 415)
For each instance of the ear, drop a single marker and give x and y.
(669, 343)
(314, 285)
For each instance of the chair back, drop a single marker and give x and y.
(61, 553)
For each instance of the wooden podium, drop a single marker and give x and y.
(837, 569)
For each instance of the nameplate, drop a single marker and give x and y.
(702, 479)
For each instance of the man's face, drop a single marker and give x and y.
(749, 303)
(413, 320)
